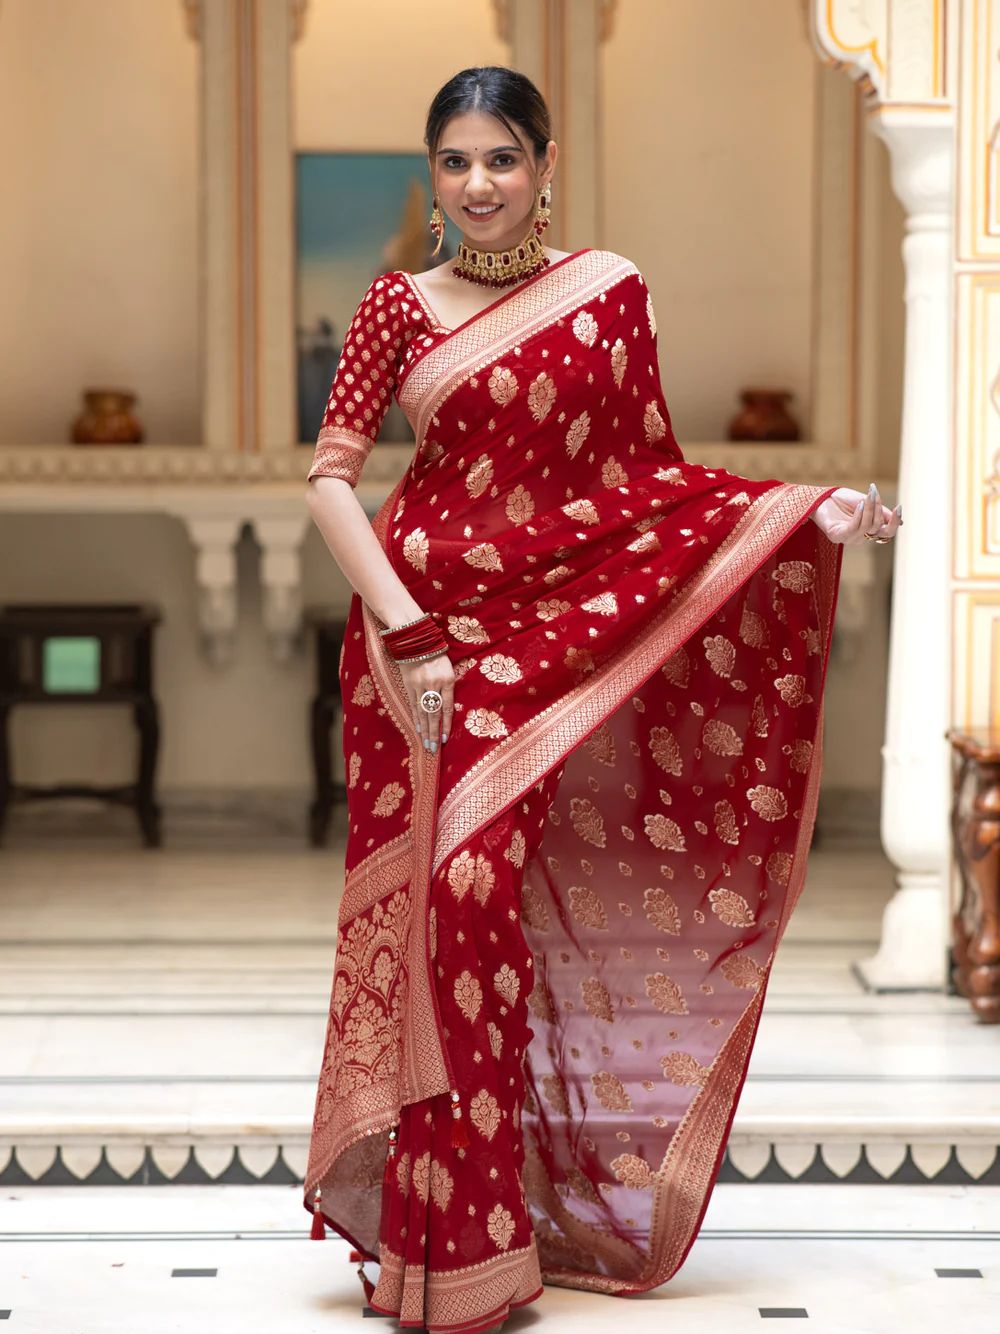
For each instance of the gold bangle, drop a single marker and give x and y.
(389, 628)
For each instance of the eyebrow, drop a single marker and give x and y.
(504, 148)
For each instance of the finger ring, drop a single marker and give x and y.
(872, 537)
(430, 701)
(881, 540)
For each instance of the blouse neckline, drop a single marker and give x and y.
(442, 328)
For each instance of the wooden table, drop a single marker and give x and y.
(975, 825)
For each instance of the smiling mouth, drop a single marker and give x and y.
(476, 214)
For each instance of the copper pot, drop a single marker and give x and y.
(764, 416)
(107, 419)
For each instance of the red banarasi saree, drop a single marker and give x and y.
(568, 915)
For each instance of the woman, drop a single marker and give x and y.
(582, 682)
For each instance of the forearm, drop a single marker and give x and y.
(348, 534)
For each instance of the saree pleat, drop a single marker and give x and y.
(566, 919)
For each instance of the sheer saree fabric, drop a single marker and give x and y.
(648, 640)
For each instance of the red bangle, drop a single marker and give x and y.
(415, 638)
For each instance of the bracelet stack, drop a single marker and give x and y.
(415, 641)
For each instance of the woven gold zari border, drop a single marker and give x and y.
(451, 1300)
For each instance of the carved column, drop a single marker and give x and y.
(281, 579)
(215, 538)
(896, 50)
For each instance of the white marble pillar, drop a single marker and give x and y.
(916, 785)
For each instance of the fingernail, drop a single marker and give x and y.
(434, 746)
(899, 510)
(444, 738)
(427, 744)
(873, 491)
(859, 506)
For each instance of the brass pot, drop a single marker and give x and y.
(764, 417)
(107, 419)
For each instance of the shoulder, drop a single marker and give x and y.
(620, 265)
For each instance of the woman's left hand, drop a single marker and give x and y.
(850, 516)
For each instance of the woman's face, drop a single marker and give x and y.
(478, 163)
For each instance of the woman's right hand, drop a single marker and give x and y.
(432, 674)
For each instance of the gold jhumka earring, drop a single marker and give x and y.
(501, 268)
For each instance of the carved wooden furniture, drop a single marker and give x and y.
(77, 653)
(975, 825)
(328, 627)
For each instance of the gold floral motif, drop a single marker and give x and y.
(388, 799)
(550, 608)
(500, 669)
(500, 1226)
(541, 395)
(742, 971)
(731, 908)
(403, 1173)
(611, 1092)
(770, 803)
(721, 654)
(468, 995)
(665, 750)
(779, 867)
(632, 1171)
(534, 913)
(597, 999)
(577, 434)
(507, 984)
(800, 756)
(792, 689)
(517, 851)
(415, 549)
(364, 692)
(421, 1178)
(467, 630)
(665, 994)
(555, 1094)
(619, 361)
(462, 874)
(485, 879)
(479, 476)
(579, 660)
(442, 1185)
(587, 908)
(485, 723)
(680, 1067)
(725, 822)
(601, 745)
(502, 385)
(612, 474)
(582, 511)
(650, 316)
(672, 475)
(753, 629)
(653, 423)
(587, 821)
(540, 1001)
(585, 328)
(580, 1184)
(604, 604)
(796, 575)
(677, 668)
(556, 575)
(661, 910)
(483, 557)
(645, 543)
(496, 1039)
(664, 833)
(720, 738)
(484, 1113)
(353, 769)
(520, 506)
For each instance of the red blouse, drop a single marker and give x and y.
(392, 327)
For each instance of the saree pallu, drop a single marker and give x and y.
(640, 647)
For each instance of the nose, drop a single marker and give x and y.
(479, 181)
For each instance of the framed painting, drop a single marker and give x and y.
(357, 215)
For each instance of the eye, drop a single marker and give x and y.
(449, 161)
(504, 158)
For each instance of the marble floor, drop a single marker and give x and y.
(161, 1020)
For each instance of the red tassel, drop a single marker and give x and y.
(366, 1283)
(459, 1134)
(390, 1156)
(318, 1232)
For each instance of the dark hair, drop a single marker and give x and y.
(496, 91)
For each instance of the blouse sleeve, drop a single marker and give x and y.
(362, 384)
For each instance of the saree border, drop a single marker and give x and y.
(436, 375)
(520, 760)
(450, 1298)
(682, 1183)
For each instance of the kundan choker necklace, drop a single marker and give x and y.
(500, 268)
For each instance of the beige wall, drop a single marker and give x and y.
(98, 268)
(98, 233)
